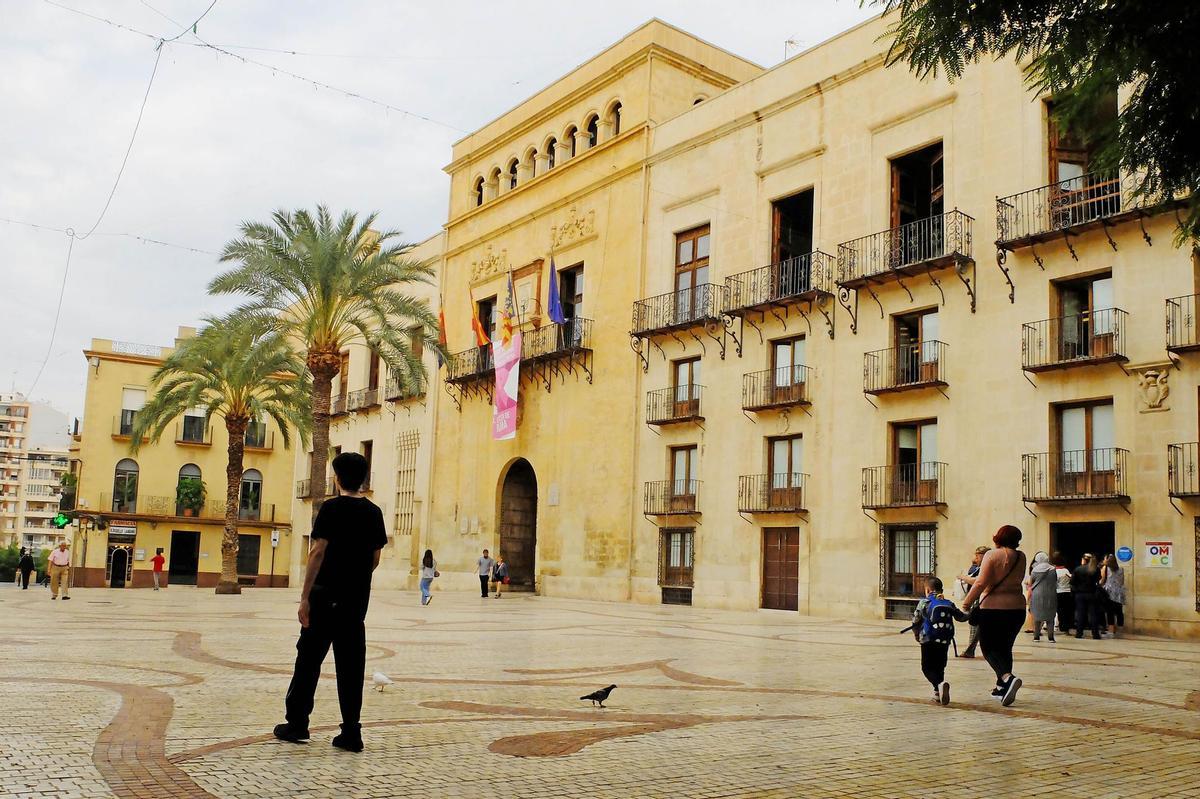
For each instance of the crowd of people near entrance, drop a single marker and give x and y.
(1001, 594)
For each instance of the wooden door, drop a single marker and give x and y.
(787, 370)
(781, 568)
(685, 396)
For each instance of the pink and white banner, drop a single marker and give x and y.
(507, 358)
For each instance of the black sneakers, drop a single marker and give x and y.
(285, 732)
(348, 742)
(1010, 691)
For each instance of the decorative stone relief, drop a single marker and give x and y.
(576, 227)
(490, 264)
(1152, 387)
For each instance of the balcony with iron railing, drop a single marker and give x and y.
(338, 406)
(470, 365)
(1066, 207)
(1183, 334)
(303, 489)
(170, 508)
(784, 387)
(671, 498)
(1183, 469)
(782, 492)
(904, 485)
(363, 400)
(1086, 475)
(798, 279)
(912, 366)
(677, 405)
(556, 340)
(1085, 339)
(678, 310)
(922, 246)
(396, 391)
(193, 431)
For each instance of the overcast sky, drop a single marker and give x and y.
(222, 141)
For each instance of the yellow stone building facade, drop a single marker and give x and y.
(829, 326)
(132, 505)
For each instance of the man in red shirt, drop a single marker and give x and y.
(158, 560)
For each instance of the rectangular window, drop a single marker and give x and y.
(132, 401)
(367, 448)
(908, 557)
(193, 426)
(685, 377)
(570, 291)
(691, 272)
(683, 477)
(917, 188)
(373, 372)
(407, 444)
(676, 557)
(785, 456)
(249, 547)
(256, 434)
(914, 462)
(787, 367)
(1087, 319)
(792, 228)
(916, 347)
(1086, 441)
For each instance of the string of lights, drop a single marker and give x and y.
(138, 237)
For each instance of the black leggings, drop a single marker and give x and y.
(998, 631)
(1114, 612)
(933, 662)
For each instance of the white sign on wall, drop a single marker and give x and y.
(1158, 554)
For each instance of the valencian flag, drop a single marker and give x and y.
(555, 309)
(481, 338)
(506, 355)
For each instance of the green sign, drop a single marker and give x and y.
(61, 520)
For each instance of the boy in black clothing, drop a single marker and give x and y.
(933, 627)
(347, 537)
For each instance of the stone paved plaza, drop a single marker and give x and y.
(144, 694)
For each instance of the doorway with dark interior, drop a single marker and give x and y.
(518, 524)
(119, 565)
(1073, 539)
(184, 557)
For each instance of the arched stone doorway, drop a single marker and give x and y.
(518, 523)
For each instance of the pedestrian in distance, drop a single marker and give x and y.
(1066, 602)
(965, 581)
(59, 567)
(1112, 581)
(485, 565)
(1085, 587)
(428, 572)
(24, 568)
(347, 538)
(1001, 610)
(157, 562)
(933, 627)
(500, 574)
(1043, 595)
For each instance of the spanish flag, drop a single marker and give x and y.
(481, 338)
(441, 333)
(507, 314)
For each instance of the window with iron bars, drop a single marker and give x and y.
(407, 444)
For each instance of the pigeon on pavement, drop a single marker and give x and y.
(599, 697)
(380, 679)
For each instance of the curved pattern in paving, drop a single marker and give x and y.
(708, 702)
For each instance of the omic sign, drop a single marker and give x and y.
(1158, 554)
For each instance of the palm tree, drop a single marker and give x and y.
(323, 283)
(241, 374)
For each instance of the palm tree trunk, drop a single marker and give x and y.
(236, 428)
(323, 366)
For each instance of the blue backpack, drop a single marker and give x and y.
(937, 621)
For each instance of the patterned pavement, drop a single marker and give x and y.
(173, 694)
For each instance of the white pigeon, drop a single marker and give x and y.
(380, 679)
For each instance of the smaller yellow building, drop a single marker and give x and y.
(131, 506)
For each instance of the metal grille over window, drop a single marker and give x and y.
(407, 444)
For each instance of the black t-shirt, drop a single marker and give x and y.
(1084, 579)
(353, 526)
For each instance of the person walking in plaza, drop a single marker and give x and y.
(347, 537)
(1112, 581)
(24, 568)
(1043, 595)
(933, 627)
(157, 562)
(500, 574)
(965, 581)
(1001, 609)
(485, 565)
(1066, 602)
(59, 567)
(1085, 585)
(428, 572)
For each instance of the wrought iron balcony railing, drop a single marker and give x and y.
(904, 485)
(674, 405)
(474, 364)
(1037, 214)
(1087, 338)
(556, 341)
(781, 283)
(1183, 469)
(303, 489)
(1183, 333)
(395, 391)
(928, 243)
(670, 497)
(1075, 475)
(363, 399)
(170, 507)
(912, 366)
(772, 493)
(784, 387)
(677, 310)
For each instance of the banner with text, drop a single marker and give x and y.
(507, 358)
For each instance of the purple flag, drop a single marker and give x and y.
(555, 304)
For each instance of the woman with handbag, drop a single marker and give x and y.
(1000, 611)
(500, 574)
(428, 572)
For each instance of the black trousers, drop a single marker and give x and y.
(483, 584)
(933, 661)
(1114, 612)
(343, 628)
(1088, 613)
(1066, 611)
(25, 580)
(998, 631)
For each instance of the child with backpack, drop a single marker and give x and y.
(933, 627)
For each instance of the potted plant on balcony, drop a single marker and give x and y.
(190, 496)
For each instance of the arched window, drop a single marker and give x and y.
(478, 191)
(512, 174)
(531, 161)
(493, 183)
(593, 131)
(551, 146)
(570, 137)
(189, 491)
(250, 505)
(614, 116)
(125, 487)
